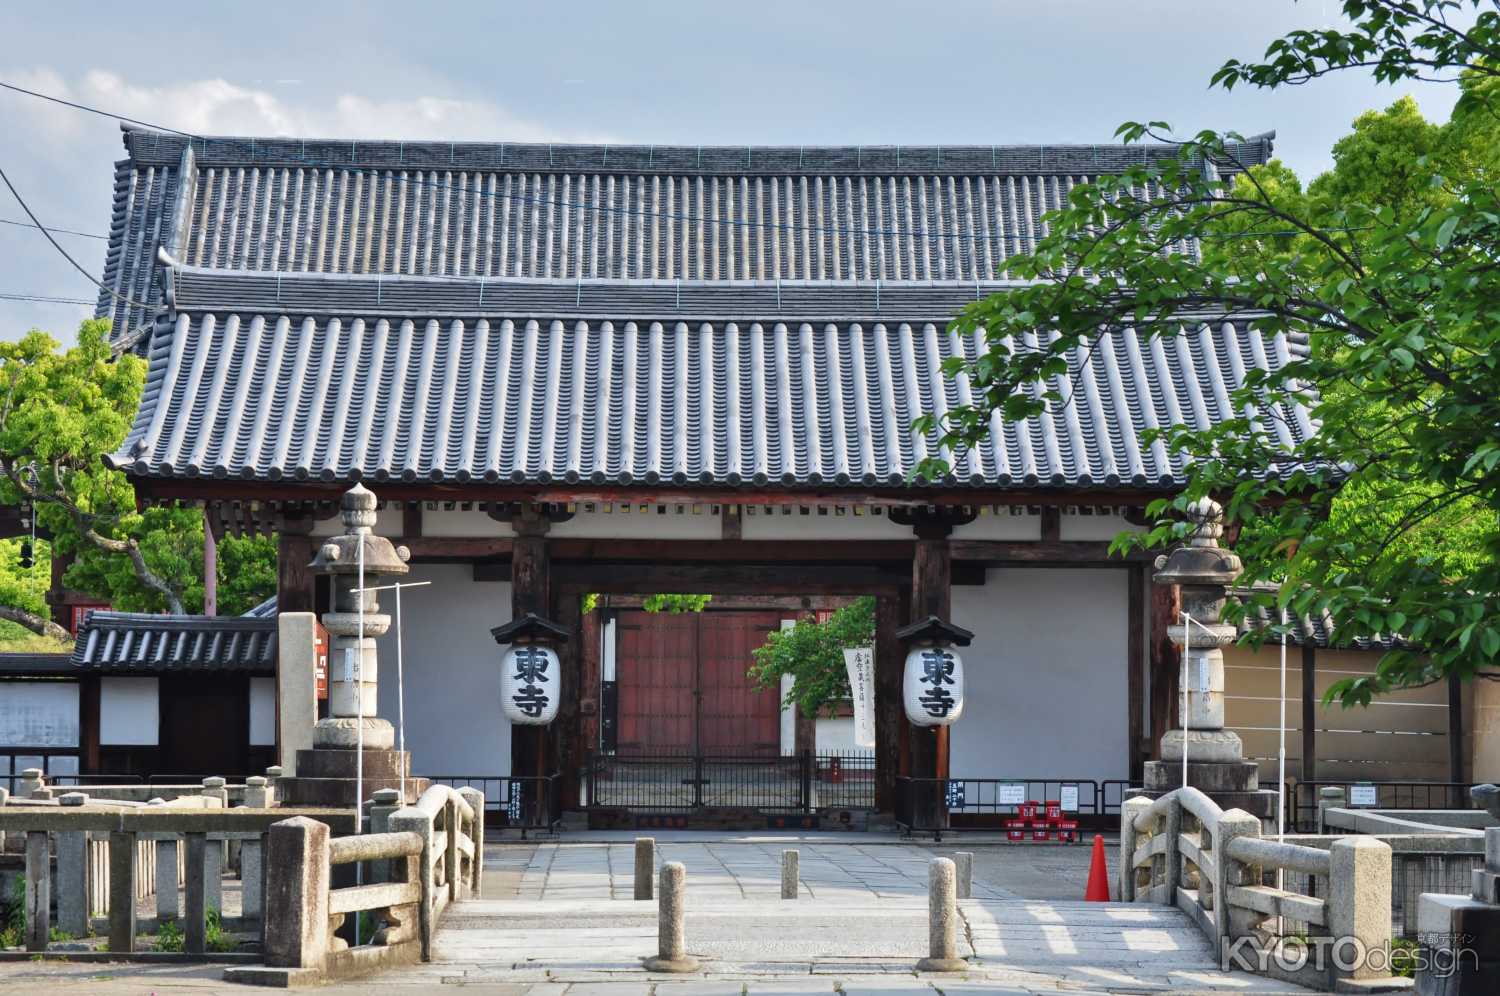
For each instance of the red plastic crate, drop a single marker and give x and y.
(1040, 831)
(1027, 810)
(1054, 809)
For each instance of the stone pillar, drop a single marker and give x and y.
(1329, 797)
(671, 955)
(297, 887)
(122, 858)
(296, 684)
(73, 874)
(213, 875)
(1130, 837)
(38, 890)
(273, 777)
(645, 866)
(1359, 904)
(252, 878)
(31, 781)
(942, 920)
(257, 792)
(1203, 572)
(790, 873)
(963, 868)
(383, 804)
(167, 863)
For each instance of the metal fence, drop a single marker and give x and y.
(517, 802)
(939, 805)
(1302, 798)
(667, 782)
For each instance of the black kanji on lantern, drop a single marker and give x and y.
(937, 667)
(531, 668)
(937, 701)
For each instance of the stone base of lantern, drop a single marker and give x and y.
(1216, 767)
(344, 733)
(326, 777)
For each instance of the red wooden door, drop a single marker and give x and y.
(682, 684)
(734, 716)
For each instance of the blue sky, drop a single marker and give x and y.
(769, 72)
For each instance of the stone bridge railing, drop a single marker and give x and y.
(1183, 850)
(350, 905)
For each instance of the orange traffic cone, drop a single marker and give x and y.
(1097, 891)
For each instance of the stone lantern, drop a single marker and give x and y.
(326, 775)
(1204, 572)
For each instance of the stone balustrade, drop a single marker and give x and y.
(415, 861)
(1183, 850)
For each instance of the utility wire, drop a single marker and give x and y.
(44, 298)
(58, 246)
(60, 231)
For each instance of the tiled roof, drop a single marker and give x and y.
(136, 641)
(395, 380)
(580, 212)
(1316, 631)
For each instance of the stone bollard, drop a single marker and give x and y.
(671, 936)
(942, 920)
(213, 788)
(790, 873)
(645, 866)
(31, 780)
(43, 794)
(384, 803)
(273, 776)
(38, 894)
(73, 873)
(963, 865)
(1130, 836)
(168, 864)
(297, 886)
(257, 793)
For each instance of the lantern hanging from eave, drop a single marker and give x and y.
(530, 671)
(932, 688)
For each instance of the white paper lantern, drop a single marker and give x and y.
(529, 685)
(933, 686)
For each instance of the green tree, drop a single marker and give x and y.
(61, 411)
(812, 652)
(1388, 268)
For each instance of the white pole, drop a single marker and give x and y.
(400, 699)
(1187, 652)
(359, 728)
(1281, 754)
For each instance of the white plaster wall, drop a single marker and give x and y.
(262, 712)
(1046, 675)
(129, 711)
(835, 735)
(454, 725)
(1001, 525)
(1095, 527)
(788, 523)
(677, 522)
(38, 714)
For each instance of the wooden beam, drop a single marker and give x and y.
(199, 489)
(1045, 553)
(457, 548)
(1051, 524)
(411, 519)
(1135, 666)
(726, 578)
(295, 586)
(1456, 750)
(896, 552)
(1309, 713)
(890, 722)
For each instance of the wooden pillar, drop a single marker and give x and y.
(1456, 735)
(931, 595)
(890, 722)
(88, 724)
(530, 592)
(294, 579)
(1135, 664)
(1166, 663)
(563, 738)
(1310, 714)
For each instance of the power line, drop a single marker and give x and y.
(58, 246)
(44, 298)
(59, 231)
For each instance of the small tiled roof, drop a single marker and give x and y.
(136, 641)
(1313, 631)
(586, 212)
(351, 378)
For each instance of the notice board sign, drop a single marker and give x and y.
(1363, 795)
(1012, 793)
(1069, 798)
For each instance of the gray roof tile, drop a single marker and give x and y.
(137, 641)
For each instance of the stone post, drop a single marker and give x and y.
(671, 931)
(963, 865)
(38, 890)
(475, 799)
(31, 780)
(257, 792)
(252, 877)
(4, 798)
(1130, 834)
(385, 803)
(214, 788)
(73, 874)
(273, 776)
(296, 685)
(297, 888)
(122, 857)
(942, 920)
(412, 819)
(167, 864)
(1229, 873)
(1359, 907)
(645, 866)
(790, 859)
(213, 875)
(1329, 797)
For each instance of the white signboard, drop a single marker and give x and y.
(1203, 674)
(529, 685)
(861, 665)
(1012, 794)
(1363, 795)
(933, 687)
(1069, 798)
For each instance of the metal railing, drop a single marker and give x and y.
(673, 782)
(1302, 798)
(518, 802)
(941, 805)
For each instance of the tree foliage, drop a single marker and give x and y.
(812, 652)
(61, 411)
(1388, 270)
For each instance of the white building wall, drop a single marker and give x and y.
(1046, 675)
(129, 711)
(454, 725)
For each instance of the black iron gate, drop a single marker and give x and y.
(700, 782)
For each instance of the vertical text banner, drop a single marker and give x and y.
(861, 665)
